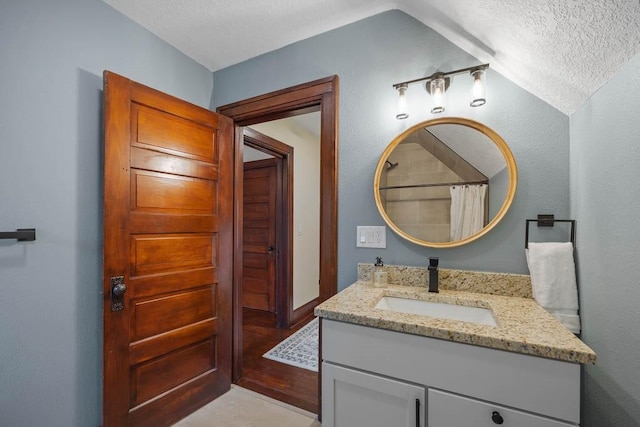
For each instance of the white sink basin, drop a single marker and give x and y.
(441, 310)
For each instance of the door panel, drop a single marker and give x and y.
(164, 373)
(253, 285)
(168, 232)
(171, 282)
(259, 234)
(175, 135)
(142, 351)
(153, 317)
(159, 192)
(256, 211)
(256, 261)
(144, 159)
(154, 253)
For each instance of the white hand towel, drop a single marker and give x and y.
(553, 277)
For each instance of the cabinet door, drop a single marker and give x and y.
(353, 398)
(450, 410)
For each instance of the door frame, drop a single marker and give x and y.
(318, 95)
(284, 220)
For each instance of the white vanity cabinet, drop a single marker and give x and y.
(374, 377)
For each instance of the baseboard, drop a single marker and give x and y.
(304, 311)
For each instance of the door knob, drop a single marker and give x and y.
(118, 289)
(270, 250)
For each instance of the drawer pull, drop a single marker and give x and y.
(417, 412)
(497, 418)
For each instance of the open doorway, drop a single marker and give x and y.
(302, 134)
(281, 256)
(317, 96)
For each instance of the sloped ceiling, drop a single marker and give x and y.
(475, 147)
(561, 51)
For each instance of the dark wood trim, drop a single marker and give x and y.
(284, 226)
(238, 239)
(304, 311)
(292, 101)
(266, 144)
(329, 194)
(319, 95)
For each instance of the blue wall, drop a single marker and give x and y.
(605, 200)
(53, 55)
(369, 56)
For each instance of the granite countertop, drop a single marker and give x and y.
(523, 325)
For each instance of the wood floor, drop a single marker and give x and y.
(286, 383)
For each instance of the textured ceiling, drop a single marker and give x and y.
(560, 50)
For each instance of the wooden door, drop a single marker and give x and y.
(259, 234)
(168, 234)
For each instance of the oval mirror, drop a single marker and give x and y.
(445, 182)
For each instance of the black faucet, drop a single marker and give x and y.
(433, 274)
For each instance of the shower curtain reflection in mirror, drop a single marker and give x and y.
(467, 210)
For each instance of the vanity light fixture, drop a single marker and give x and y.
(437, 85)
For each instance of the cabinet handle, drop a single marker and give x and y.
(497, 418)
(417, 412)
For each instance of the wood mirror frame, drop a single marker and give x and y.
(493, 136)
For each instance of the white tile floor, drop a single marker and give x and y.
(243, 408)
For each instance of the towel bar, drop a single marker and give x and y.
(548, 221)
(22, 234)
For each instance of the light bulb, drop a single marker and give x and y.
(478, 90)
(402, 103)
(437, 90)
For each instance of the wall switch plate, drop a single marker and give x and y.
(370, 236)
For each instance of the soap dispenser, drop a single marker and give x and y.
(379, 274)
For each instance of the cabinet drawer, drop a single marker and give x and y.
(449, 410)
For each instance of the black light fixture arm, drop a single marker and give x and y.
(21, 234)
(439, 74)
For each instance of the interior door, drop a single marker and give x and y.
(168, 190)
(259, 234)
